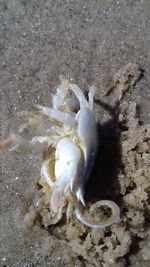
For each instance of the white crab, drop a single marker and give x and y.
(68, 137)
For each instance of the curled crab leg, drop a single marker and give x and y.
(114, 218)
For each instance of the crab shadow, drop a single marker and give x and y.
(103, 182)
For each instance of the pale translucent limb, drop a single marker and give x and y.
(46, 175)
(44, 128)
(7, 143)
(40, 123)
(37, 196)
(34, 119)
(12, 141)
(47, 129)
(91, 96)
(64, 99)
(114, 218)
(18, 143)
(58, 115)
(58, 98)
(79, 95)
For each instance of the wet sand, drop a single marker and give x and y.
(88, 42)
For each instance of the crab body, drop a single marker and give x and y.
(67, 134)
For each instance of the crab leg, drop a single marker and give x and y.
(91, 96)
(41, 124)
(79, 95)
(45, 173)
(114, 218)
(18, 143)
(58, 115)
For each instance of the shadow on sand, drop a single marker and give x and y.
(103, 181)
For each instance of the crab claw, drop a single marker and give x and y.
(87, 132)
(80, 195)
